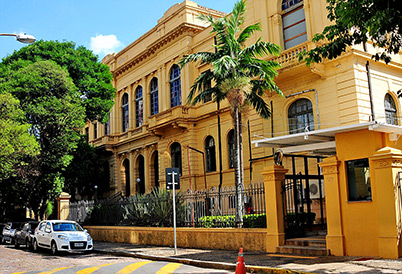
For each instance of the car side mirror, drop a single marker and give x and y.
(86, 231)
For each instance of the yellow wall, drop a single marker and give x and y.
(364, 228)
(251, 239)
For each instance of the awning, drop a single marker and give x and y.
(322, 141)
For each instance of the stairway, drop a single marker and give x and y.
(311, 245)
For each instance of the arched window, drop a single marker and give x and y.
(391, 116)
(139, 110)
(175, 154)
(300, 115)
(124, 112)
(175, 86)
(210, 156)
(126, 165)
(95, 130)
(231, 148)
(154, 96)
(294, 23)
(107, 125)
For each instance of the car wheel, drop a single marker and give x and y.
(16, 244)
(3, 241)
(35, 246)
(53, 248)
(28, 244)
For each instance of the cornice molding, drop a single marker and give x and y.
(152, 48)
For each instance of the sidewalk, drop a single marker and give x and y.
(258, 262)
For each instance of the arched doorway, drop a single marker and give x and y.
(126, 165)
(155, 169)
(141, 175)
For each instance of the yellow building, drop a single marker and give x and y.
(327, 110)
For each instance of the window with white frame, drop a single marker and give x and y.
(124, 112)
(154, 96)
(391, 116)
(293, 23)
(175, 86)
(139, 109)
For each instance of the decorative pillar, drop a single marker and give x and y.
(274, 175)
(335, 237)
(147, 171)
(63, 206)
(385, 188)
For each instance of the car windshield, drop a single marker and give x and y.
(66, 227)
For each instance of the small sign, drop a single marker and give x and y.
(169, 176)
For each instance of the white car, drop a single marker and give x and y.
(58, 235)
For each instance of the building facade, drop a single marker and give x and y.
(151, 127)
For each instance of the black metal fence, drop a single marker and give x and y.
(201, 208)
(214, 208)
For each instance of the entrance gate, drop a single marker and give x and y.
(303, 196)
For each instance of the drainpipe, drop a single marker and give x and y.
(249, 148)
(316, 101)
(369, 86)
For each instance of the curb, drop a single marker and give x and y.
(204, 264)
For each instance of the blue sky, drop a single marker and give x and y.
(103, 26)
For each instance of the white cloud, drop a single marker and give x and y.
(105, 44)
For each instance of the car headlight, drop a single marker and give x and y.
(63, 237)
(89, 238)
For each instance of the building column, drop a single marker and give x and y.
(63, 206)
(274, 175)
(147, 171)
(385, 183)
(335, 238)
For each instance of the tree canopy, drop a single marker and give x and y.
(92, 79)
(15, 140)
(52, 106)
(356, 22)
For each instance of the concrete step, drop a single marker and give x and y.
(302, 250)
(311, 241)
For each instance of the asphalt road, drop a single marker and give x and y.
(13, 260)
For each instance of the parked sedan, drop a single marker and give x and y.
(25, 235)
(9, 232)
(58, 235)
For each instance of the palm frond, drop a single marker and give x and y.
(247, 32)
(258, 104)
(201, 84)
(202, 57)
(261, 48)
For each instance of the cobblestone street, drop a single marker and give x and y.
(21, 260)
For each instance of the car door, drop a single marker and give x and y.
(40, 233)
(47, 236)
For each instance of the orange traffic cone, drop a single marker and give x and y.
(240, 267)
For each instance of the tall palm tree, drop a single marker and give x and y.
(239, 76)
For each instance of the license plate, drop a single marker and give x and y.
(78, 244)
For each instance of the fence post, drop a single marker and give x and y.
(274, 175)
(63, 206)
(335, 235)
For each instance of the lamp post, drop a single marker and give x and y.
(23, 38)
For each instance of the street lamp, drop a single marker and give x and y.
(23, 38)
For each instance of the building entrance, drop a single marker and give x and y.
(303, 196)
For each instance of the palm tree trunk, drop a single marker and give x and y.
(238, 172)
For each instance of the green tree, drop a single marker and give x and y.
(92, 79)
(239, 75)
(15, 140)
(54, 110)
(356, 22)
(87, 170)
